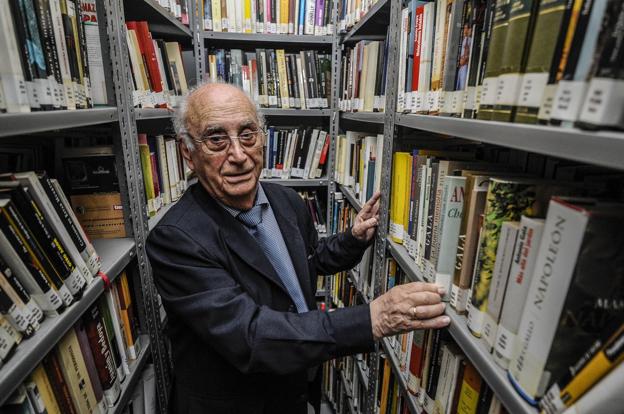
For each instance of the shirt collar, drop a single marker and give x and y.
(261, 199)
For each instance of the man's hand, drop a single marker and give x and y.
(407, 307)
(367, 219)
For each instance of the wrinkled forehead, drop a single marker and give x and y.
(222, 108)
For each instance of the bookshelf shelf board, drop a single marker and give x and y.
(374, 22)
(370, 117)
(161, 22)
(350, 196)
(412, 403)
(115, 254)
(295, 112)
(274, 39)
(494, 375)
(32, 122)
(152, 113)
(297, 182)
(604, 148)
(153, 221)
(136, 369)
(320, 293)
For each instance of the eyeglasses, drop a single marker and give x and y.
(219, 144)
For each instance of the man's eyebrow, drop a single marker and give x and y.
(213, 128)
(247, 124)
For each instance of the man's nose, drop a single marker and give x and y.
(235, 152)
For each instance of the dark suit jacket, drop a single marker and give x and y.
(238, 344)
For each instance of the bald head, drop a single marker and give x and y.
(208, 101)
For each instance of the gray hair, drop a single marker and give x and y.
(180, 125)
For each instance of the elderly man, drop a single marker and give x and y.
(236, 263)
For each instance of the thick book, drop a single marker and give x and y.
(400, 192)
(46, 392)
(520, 274)
(500, 278)
(577, 278)
(89, 362)
(12, 76)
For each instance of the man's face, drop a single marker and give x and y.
(230, 176)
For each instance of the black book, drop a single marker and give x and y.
(378, 78)
(71, 42)
(312, 80)
(165, 59)
(272, 79)
(290, 77)
(262, 87)
(46, 30)
(485, 399)
(292, 68)
(435, 362)
(84, 59)
(479, 55)
(30, 255)
(431, 209)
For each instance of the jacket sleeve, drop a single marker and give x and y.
(200, 291)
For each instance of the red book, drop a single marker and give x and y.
(418, 26)
(323, 157)
(149, 54)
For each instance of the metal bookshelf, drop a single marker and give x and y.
(361, 372)
(604, 148)
(372, 23)
(297, 182)
(136, 368)
(296, 112)
(161, 21)
(346, 384)
(115, 255)
(370, 117)
(276, 39)
(153, 113)
(33, 122)
(474, 349)
(412, 404)
(350, 196)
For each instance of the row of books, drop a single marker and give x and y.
(295, 153)
(551, 62)
(519, 255)
(358, 163)
(164, 171)
(274, 78)
(47, 260)
(363, 80)
(316, 206)
(62, 66)
(342, 219)
(86, 370)
(298, 17)
(351, 11)
(157, 68)
(178, 8)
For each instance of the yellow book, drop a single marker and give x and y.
(146, 169)
(75, 374)
(470, 389)
(216, 16)
(283, 78)
(283, 15)
(247, 16)
(40, 378)
(141, 79)
(401, 173)
(385, 384)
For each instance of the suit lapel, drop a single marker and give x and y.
(237, 238)
(292, 238)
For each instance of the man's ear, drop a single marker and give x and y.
(186, 154)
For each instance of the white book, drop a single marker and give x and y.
(161, 154)
(564, 234)
(606, 397)
(315, 171)
(254, 16)
(311, 150)
(120, 341)
(285, 169)
(293, 147)
(149, 389)
(523, 262)
(94, 52)
(450, 223)
(403, 59)
(12, 80)
(217, 25)
(231, 16)
(309, 17)
(498, 284)
(170, 149)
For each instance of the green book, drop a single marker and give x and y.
(522, 16)
(550, 26)
(493, 63)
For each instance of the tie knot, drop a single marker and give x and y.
(252, 217)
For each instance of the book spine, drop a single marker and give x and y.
(59, 385)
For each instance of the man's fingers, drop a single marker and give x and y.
(424, 312)
(425, 287)
(366, 208)
(433, 323)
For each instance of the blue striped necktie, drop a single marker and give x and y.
(275, 251)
